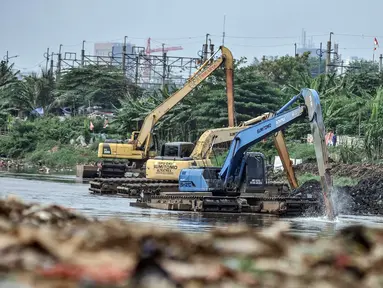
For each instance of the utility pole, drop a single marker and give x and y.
(380, 62)
(83, 54)
(205, 48)
(124, 56)
(163, 66)
(223, 33)
(295, 50)
(46, 55)
(211, 48)
(328, 58)
(320, 58)
(51, 68)
(7, 57)
(137, 65)
(59, 62)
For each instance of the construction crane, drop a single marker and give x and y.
(163, 49)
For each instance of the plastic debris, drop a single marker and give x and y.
(50, 246)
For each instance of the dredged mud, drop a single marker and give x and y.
(365, 198)
(358, 171)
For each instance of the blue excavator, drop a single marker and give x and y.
(245, 172)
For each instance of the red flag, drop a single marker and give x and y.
(91, 126)
(376, 43)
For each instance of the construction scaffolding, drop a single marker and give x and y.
(144, 69)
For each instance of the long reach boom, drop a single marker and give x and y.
(201, 74)
(204, 146)
(283, 117)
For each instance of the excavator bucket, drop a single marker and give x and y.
(314, 111)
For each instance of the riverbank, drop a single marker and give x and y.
(343, 174)
(59, 158)
(358, 188)
(118, 253)
(53, 142)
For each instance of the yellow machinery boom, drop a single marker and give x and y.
(168, 168)
(137, 150)
(200, 75)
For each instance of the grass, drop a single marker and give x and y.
(67, 156)
(337, 181)
(307, 177)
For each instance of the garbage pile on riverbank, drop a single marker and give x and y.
(15, 212)
(365, 198)
(110, 253)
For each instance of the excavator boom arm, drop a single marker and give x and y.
(245, 138)
(209, 138)
(203, 72)
(254, 134)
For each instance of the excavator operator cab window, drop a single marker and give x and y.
(135, 135)
(186, 149)
(180, 150)
(169, 150)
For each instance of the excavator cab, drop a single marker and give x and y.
(154, 146)
(176, 150)
(134, 135)
(255, 176)
(174, 156)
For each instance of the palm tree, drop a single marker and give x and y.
(33, 92)
(7, 75)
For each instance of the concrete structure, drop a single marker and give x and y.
(108, 49)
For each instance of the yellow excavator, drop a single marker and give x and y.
(162, 172)
(130, 156)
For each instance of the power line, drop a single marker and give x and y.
(180, 38)
(268, 37)
(357, 35)
(261, 46)
(356, 48)
(26, 68)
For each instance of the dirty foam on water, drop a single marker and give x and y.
(76, 196)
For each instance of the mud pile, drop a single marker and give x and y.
(358, 171)
(118, 254)
(365, 198)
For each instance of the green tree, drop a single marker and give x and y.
(7, 74)
(95, 85)
(32, 92)
(285, 70)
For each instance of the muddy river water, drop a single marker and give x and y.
(63, 190)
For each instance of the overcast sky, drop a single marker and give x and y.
(253, 28)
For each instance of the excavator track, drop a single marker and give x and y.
(134, 190)
(119, 169)
(282, 206)
(130, 186)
